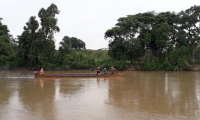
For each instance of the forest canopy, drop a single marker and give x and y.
(167, 37)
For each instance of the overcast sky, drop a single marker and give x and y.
(87, 20)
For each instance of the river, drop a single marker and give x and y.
(139, 95)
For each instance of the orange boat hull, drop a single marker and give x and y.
(76, 75)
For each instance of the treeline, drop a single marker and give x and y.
(149, 41)
(35, 47)
(160, 41)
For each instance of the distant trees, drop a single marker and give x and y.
(156, 41)
(70, 54)
(157, 37)
(6, 45)
(36, 45)
(72, 43)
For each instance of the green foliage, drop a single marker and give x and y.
(78, 59)
(154, 66)
(6, 46)
(72, 43)
(157, 37)
(36, 44)
(179, 59)
(48, 20)
(88, 59)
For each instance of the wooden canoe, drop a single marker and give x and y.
(37, 75)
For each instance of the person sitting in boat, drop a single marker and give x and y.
(112, 70)
(41, 71)
(104, 71)
(98, 70)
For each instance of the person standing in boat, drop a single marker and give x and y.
(112, 70)
(104, 71)
(98, 70)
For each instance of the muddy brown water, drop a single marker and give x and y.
(139, 95)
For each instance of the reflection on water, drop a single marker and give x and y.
(138, 95)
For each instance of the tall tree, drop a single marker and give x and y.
(37, 44)
(48, 20)
(6, 47)
(190, 26)
(27, 43)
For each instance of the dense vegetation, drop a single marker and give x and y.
(148, 41)
(163, 40)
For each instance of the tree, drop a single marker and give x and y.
(6, 47)
(158, 35)
(27, 43)
(72, 43)
(128, 34)
(48, 20)
(189, 26)
(37, 44)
